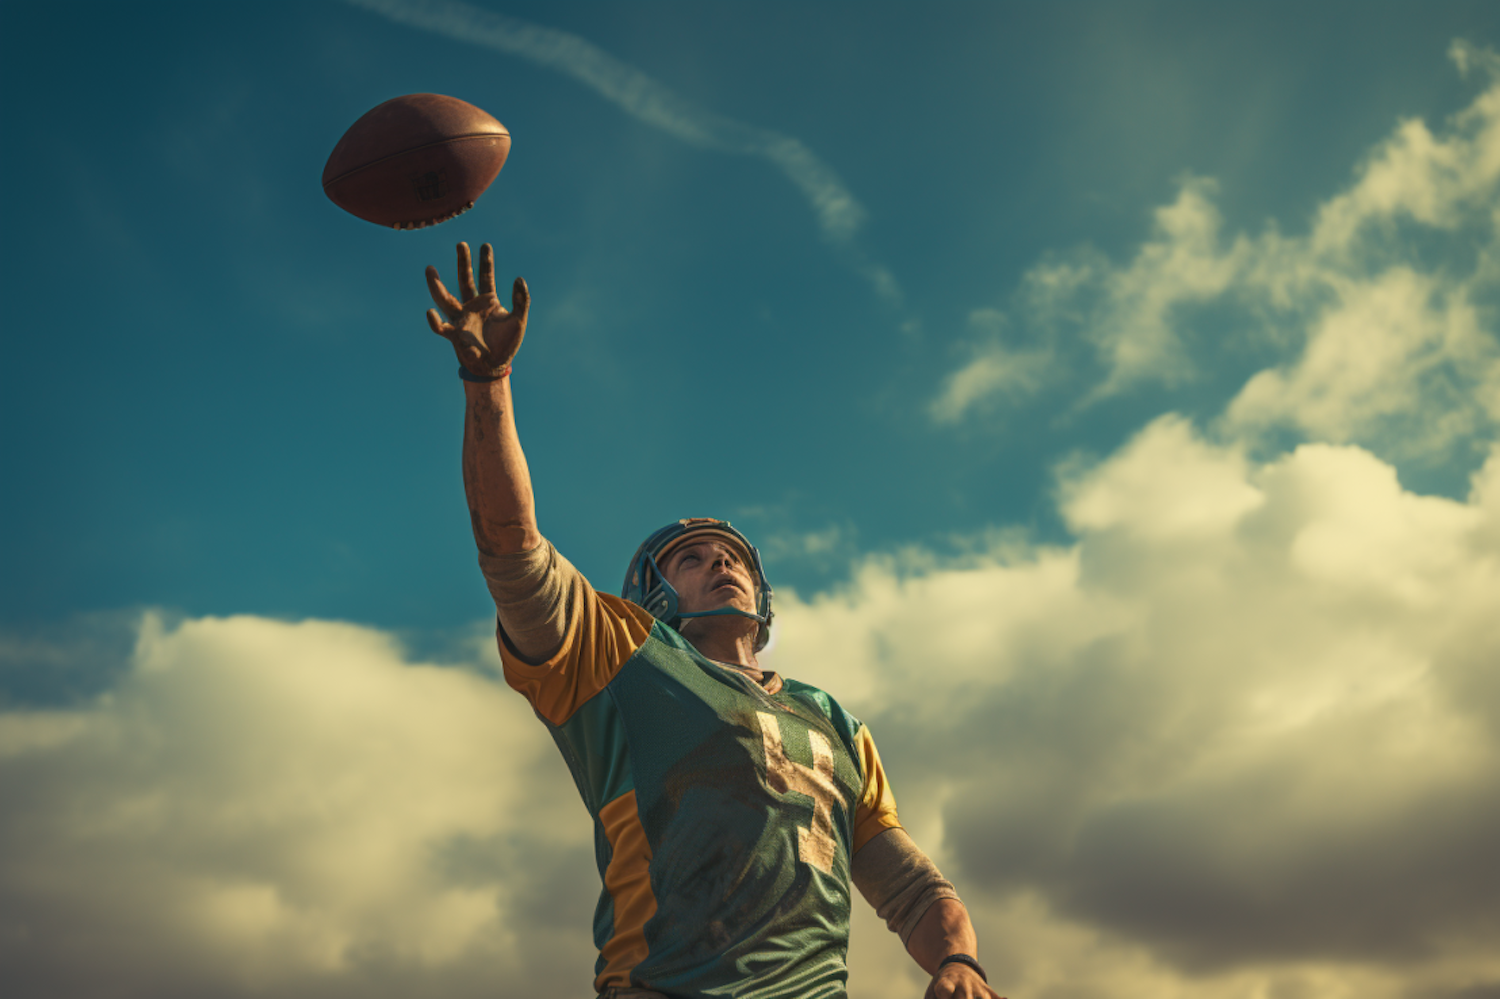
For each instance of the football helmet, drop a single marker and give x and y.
(647, 586)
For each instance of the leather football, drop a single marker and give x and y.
(415, 161)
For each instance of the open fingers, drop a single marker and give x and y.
(465, 272)
(486, 269)
(439, 327)
(440, 295)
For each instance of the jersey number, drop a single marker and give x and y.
(814, 845)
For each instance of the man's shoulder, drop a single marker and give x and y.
(824, 701)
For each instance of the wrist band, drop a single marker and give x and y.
(964, 959)
(470, 376)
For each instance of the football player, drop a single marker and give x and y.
(732, 807)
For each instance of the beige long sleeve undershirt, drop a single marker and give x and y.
(899, 880)
(535, 592)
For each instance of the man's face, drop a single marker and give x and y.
(708, 573)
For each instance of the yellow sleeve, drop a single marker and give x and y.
(601, 633)
(876, 811)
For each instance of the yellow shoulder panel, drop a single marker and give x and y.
(876, 811)
(603, 631)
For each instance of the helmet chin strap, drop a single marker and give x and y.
(720, 611)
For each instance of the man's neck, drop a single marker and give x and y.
(723, 640)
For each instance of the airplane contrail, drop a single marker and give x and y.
(838, 213)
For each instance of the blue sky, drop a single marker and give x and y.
(274, 428)
(1106, 309)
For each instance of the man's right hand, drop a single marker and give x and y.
(484, 335)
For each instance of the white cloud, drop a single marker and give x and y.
(840, 215)
(1183, 263)
(1380, 318)
(289, 809)
(1165, 484)
(834, 542)
(994, 370)
(1127, 314)
(1242, 739)
(1439, 181)
(1386, 348)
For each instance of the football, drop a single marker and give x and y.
(415, 161)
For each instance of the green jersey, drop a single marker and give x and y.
(725, 811)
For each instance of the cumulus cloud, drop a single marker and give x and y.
(1438, 180)
(1396, 352)
(1242, 738)
(257, 807)
(839, 214)
(1380, 316)
(1184, 262)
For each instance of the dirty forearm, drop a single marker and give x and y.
(497, 482)
(944, 930)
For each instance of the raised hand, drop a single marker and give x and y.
(485, 336)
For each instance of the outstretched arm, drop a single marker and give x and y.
(486, 337)
(497, 482)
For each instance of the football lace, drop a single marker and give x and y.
(429, 222)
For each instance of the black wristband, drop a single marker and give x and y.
(964, 959)
(470, 376)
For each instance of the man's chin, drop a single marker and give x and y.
(726, 612)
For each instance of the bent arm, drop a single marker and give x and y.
(899, 881)
(943, 930)
(920, 905)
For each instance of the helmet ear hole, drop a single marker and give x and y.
(660, 598)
